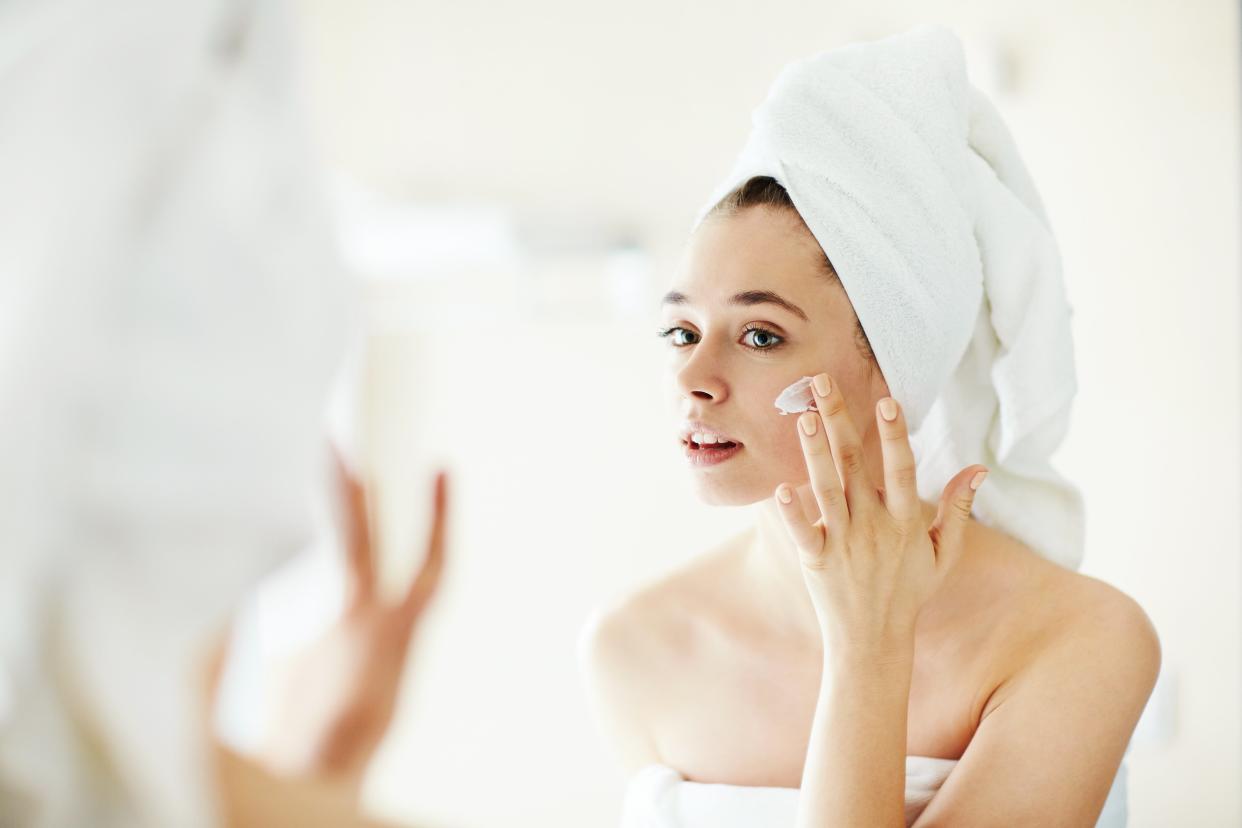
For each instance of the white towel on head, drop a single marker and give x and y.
(912, 184)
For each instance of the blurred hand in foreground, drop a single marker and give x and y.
(340, 692)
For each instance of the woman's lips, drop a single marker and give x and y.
(709, 454)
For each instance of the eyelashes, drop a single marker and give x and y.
(673, 331)
(773, 339)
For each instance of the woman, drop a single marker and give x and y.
(872, 622)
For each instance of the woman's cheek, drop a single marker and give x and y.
(787, 448)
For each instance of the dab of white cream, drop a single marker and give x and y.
(797, 398)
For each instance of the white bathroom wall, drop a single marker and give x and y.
(1143, 178)
(605, 127)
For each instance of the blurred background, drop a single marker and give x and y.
(506, 188)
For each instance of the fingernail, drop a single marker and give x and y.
(784, 494)
(822, 386)
(807, 421)
(888, 409)
(977, 480)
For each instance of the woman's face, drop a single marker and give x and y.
(751, 311)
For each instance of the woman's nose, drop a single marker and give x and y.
(699, 379)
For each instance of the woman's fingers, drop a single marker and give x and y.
(825, 482)
(807, 536)
(351, 508)
(427, 581)
(847, 447)
(948, 529)
(900, 480)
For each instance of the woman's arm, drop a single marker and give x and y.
(1051, 738)
(870, 563)
(855, 772)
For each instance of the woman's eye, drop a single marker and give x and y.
(681, 336)
(761, 340)
(757, 339)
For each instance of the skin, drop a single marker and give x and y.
(341, 690)
(870, 563)
(950, 636)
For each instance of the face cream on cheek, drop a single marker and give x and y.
(797, 398)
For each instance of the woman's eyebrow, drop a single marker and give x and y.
(746, 297)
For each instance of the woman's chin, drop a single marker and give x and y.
(715, 492)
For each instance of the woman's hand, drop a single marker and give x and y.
(869, 560)
(342, 690)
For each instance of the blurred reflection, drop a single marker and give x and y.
(339, 693)
(173, 316)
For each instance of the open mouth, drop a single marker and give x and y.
(703, 453)
(704, 446)
(696, 446)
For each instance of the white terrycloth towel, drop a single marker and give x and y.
(658, 796)
(912, 184)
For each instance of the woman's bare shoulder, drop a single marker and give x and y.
(1063, 611)
(1038, 600)
(625, 646)
(1097, 607)
(1074, 601)
(660, 615)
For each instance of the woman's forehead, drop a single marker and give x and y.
(753, 249)
(721, 266)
